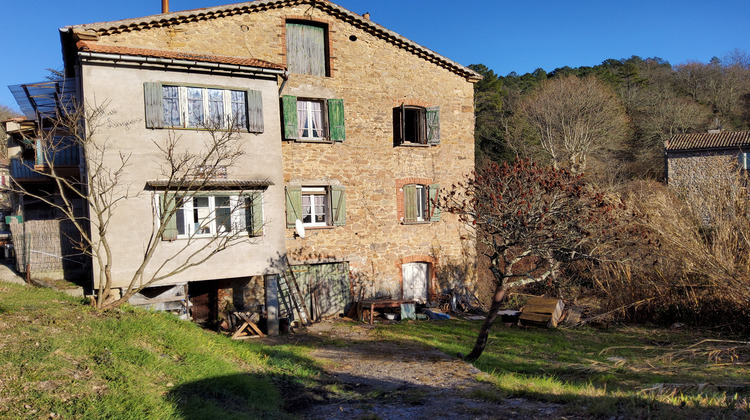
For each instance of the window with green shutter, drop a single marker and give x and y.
(207, 214)
(310, 119)
(176, 106)
(414, 125)
(420, 203)
(316, 206)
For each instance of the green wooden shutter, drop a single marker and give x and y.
(410, 203)
(338, 205)
(289, 111)
(168, 217)
(432, 205)
(254, 111)
(399, 119)
(336, 119)
(152, 94)
(39, 145)
(433, 125)
(254, 214)
(293, 206)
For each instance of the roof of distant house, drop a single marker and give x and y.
(701, 141)
(146, 52)
(168, 19)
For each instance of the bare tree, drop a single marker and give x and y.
(574, 119)
(530, 219)
(89, 201)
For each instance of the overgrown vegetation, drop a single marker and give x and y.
(638, 372)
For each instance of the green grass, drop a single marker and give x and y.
(59, 356)
(595, 372)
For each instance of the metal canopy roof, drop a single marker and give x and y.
(45, 98)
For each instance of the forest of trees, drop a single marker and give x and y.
(638, 103)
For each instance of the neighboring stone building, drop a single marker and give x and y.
(361, 133)
(691, 157)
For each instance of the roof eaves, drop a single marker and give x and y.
(126, 25)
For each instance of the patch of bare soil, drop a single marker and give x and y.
(366, 377)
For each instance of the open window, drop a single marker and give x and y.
(310, 119)
(206, 215)
(414, 125)
(173, 106)
(307, 48)
(316, 206)
(420, 203)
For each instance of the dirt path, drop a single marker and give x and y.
(370, 378)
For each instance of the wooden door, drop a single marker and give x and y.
(415, 281)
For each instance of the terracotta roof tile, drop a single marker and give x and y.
(90, 46)
(722, 140)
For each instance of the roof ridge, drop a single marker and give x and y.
(166, 19)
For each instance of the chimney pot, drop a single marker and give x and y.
(165, 6)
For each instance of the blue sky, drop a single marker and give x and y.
(506, 36)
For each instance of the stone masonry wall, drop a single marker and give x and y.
(372, 76)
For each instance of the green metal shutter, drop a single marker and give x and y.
(433, 125)
(336, 119)
(338, 204)
(289, 111)
(152, 93)
(167, 212)
(254, 215)
(433, 196)
(410, 203)
(254, 111)
(293, 206)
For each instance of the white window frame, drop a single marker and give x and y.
(226, 100)
(311, 193)
(309, 116)
(421, 200)
(238, 219)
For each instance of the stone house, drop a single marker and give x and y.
(691, 157)
(361, 131)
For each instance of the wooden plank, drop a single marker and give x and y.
(239, 331)
(535, 317)
(256, 329)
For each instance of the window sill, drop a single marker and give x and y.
(414, 145)
(425, 222)
(318, 227)
(323, 141)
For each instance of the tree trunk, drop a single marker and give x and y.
(484, 332)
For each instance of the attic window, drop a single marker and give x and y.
(307, 49)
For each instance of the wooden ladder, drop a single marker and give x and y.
(291, 296)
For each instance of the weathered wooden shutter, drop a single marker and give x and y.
(289, 111)
(338, 205)
(399, 119)
(254, 111)
(152, 94)
(293, 206)
(305, 49)
(39, 146)
(167, 215)
(410, 203)
(432, 205)
(336, 119)
(433, 125)
(254, 214)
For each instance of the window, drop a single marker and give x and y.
(419, 203)
(211, 215)
(198, 107)
(313, 119)
(306, 49)
(416, 125)
(316, 206)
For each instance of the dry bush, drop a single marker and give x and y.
(697, 265)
